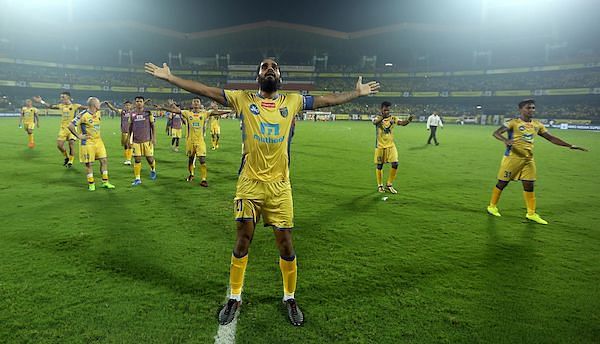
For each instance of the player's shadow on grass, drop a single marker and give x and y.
(425, 146)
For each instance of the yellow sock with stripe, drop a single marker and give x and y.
(379, 175)
(495, 196)
(137, 169)
(71, 157)
(105, 176)
(203, 171)
(289, 274)
(236, 275)
(128, 154)
(392, 176)
(30, 137)
(90, 178)
(529, 201)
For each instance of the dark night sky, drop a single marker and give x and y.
(349, 15)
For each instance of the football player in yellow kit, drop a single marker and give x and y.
(385, 148)
(68, 110)
(263, 187)
(29, 120)
(518, 162)
(91, 144)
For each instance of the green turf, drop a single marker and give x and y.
(150, 264)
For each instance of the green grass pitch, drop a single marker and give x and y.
(151, 264)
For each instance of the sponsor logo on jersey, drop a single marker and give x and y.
(254, 109)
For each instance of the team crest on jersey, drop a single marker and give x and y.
(254, 109)
(522, 128)
(283, 112)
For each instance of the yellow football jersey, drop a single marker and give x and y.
(89, 125)
(267, 130)
(67, 113)
(522, 133)
(195, 122)
(29, 113)
(384, 134)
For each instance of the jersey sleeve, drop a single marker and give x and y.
(151, 117)
(542, 129)
(77, 119)
(508, 124)
(233, 99)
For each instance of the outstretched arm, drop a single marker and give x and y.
(560, 142)
(361, 89)
(112, 107)
(195, 87)
(172, 109)
(406, 121)
(39, 100)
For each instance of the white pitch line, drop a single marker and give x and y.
(226, 333)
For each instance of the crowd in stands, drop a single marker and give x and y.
(587, 78)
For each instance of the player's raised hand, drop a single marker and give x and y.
(579, 148)
(163, 72)
(370, 87)
(37, 99)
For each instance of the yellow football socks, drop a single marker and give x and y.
(71, 159)
(137, 169)
(495, 196)
(236, 274)
(105, 176)
(30, 136)
(153, 165)
(392, 176)
(529, 201)
(203, 171)
(289, 274)
(90, 178)
(379, 174)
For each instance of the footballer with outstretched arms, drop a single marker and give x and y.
(263, 188)
(68, 110)
(385, 147)
(517, 162)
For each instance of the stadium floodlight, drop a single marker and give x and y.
(388, 64)
(478, 107)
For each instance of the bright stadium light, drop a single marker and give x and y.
(388, 64)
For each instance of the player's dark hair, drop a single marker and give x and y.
(127, 102)
(386, 103)
(139, 97)
(526, 102)
(66, 93)
(261, 62)
(198, 99)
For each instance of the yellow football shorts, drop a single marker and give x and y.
(271, 200)
(514, 168)
(385, 155)
(92, 151)
(29, 125)
(143, 149)
(195, 148)
(65, 134)
(176, 133)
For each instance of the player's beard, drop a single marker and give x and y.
(269, 85)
